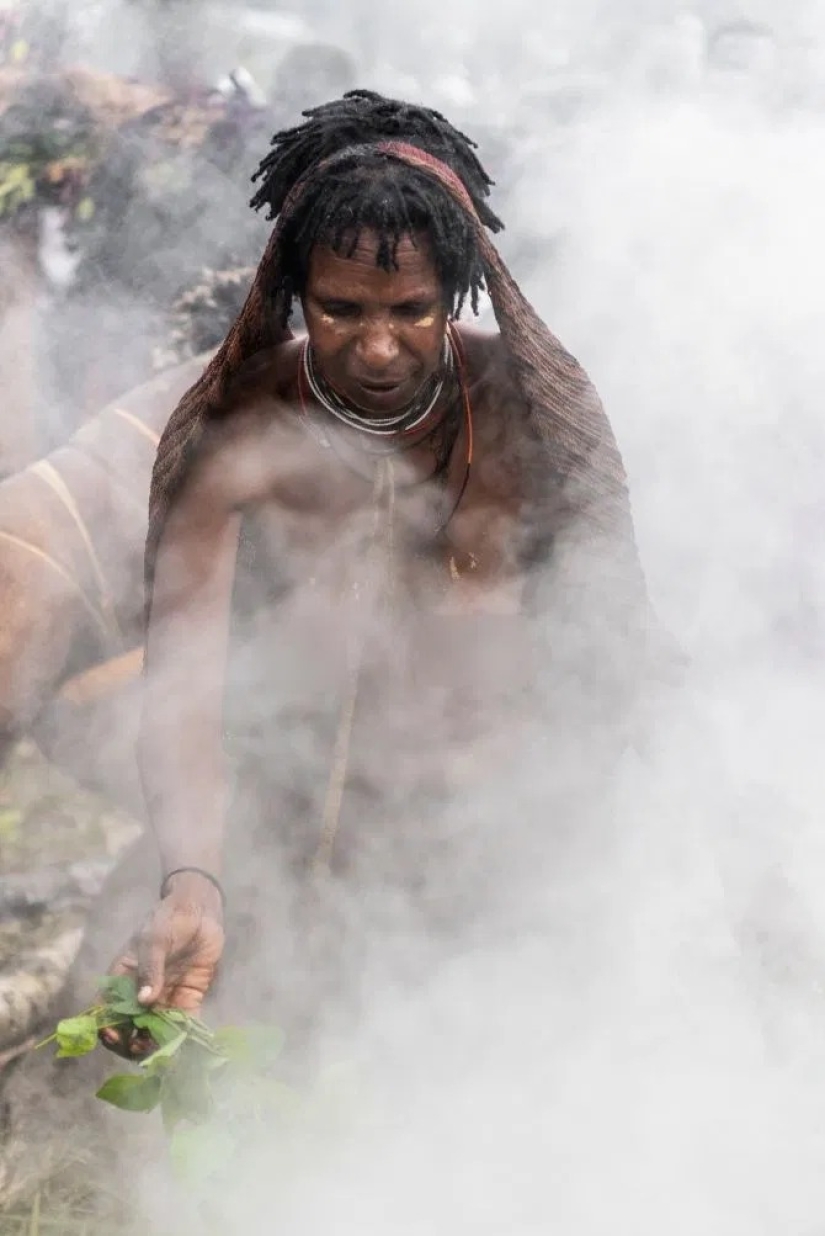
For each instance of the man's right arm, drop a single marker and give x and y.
(180, 751)
(180, 754)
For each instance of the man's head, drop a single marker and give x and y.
(378, 251)
(349, 186)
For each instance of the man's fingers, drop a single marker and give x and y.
(151, 967)
(187, 997)
(115, 1042)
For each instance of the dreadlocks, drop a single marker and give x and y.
(363, 188)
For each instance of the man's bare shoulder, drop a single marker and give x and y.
(270, 373)
(478, 343)
(246, 451)
(485, 356)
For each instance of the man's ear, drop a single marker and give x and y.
(298, 313)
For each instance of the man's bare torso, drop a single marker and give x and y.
(312, 500)
(327, 571)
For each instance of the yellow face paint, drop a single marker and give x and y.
(427, 320)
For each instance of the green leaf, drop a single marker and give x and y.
(131, 1092)
(158, 1026)
(202, 1151)
(187, 1081)
(174, 1107)
(178, 1015)
(126, 1008)
(112, 1023)
(234, 1042)
(119, 989)
(250, 1045)
(159, 1060)
(76, 1036)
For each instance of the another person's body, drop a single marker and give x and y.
(373, 555)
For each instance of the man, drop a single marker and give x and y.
(393, 594)
(363, 547)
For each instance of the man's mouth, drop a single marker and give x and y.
(380, 387)
(380, 396)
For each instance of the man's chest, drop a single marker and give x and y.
(402, 545)
(423, 591)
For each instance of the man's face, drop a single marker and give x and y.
(376, 335)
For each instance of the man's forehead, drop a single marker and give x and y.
(413, 258)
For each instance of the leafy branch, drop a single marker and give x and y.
(217, 1091)
(179, 1075)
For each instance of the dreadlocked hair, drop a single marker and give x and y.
(363, 188)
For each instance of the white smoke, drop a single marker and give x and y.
(636, 1044)
(639, 1045)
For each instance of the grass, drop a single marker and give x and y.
(54, 1210)
(62, 1207)
(43, 817)
(100, 1191)
(70, 1203)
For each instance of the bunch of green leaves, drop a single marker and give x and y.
(179, 1074)
(220, 1093)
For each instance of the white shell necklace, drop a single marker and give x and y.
(409, 418)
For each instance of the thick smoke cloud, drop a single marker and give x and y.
(634, 1040)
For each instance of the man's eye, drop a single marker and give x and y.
(414, 309)
(339, 309)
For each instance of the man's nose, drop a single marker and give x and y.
(377, 346)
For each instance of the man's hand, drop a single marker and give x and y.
(174, 956)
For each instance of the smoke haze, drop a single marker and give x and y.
(634, 1040)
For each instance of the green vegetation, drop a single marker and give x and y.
(223, 1104)
(181, 1060)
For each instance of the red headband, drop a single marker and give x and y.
(403, 151)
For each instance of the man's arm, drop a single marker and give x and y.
(180, 751)
(174, 955)
(180, 748)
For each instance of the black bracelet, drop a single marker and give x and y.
(207, 875)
